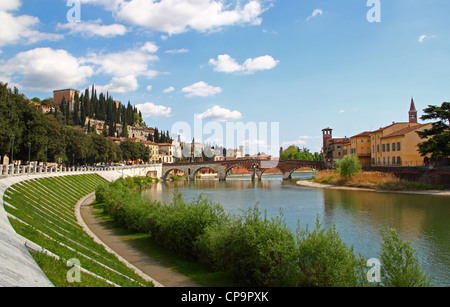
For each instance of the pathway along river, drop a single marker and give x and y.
(423, 220)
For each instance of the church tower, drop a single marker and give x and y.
(327, 135)
(412, 113)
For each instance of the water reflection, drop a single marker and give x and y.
(357, 215)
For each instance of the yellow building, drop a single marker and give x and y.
(400, 147)
(360, 145)
(154, 151)
(392, 145)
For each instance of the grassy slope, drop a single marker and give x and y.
(44, 211)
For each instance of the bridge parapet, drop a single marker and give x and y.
(256, 167)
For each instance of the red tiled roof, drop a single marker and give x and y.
(403, 131)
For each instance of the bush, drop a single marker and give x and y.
(324, 260)
(399, 265)
(178, 225)
(348, 166)
(257, 251)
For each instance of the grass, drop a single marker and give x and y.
(371, 180)
(43, 211)
(144, 243)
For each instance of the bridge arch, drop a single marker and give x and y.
(167, 172)
(194, 174)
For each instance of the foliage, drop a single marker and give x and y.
(438, 137)
(348, 166)
(256, 250)
(52, 140)
(325, 260)
(399, 265)
(251, 248)
(295, 153)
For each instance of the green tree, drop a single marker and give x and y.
(438, 137)
(349, 166)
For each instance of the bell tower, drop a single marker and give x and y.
(412, 113)
(326, 135)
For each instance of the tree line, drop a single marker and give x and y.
(295, 153)
(27, 134)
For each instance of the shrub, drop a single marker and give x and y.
(324, 260)
(349, 166)
(178, 225)
(399, 265)
(257, 251)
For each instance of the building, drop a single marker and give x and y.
(396, 144)
(139, 132)
(360, 146)
(399, 148)
(68, 95)
(154, 152)
(166, 151)
(392, 145)
(333, 148)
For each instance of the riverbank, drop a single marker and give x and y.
(163, 275)
(311, 184)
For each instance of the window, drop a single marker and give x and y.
(393, 160)
(398, 146)
(384, 161)
(399, 160)
(373, 148)
(362, 141)
(384, 147)
(373, 161)
(393, 146)
(388, 147)
(379, 161)
(388, 160)
(378, 148)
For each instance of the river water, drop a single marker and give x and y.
(359, 216)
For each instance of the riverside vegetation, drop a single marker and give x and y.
(253, 249)
(348, 173)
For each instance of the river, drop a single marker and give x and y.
(359, 216)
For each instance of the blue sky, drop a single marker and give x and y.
(304, 64)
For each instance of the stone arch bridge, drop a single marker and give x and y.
(256, 167)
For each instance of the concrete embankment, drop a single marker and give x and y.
(17, 267)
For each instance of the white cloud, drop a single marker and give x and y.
(120, 85)
(124, 67)
(46, 69)
(176, 51)
(149, 109)
(178, 16)
(227, 64)
(170, 89)
(20, 29)
(422, 38)
(149, 88)
(220, 114)
(315, 13)
(93, 28)
(201, 89)
(132, 62)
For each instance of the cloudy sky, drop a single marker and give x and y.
(299, 65)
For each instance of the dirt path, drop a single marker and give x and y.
(162, 274)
